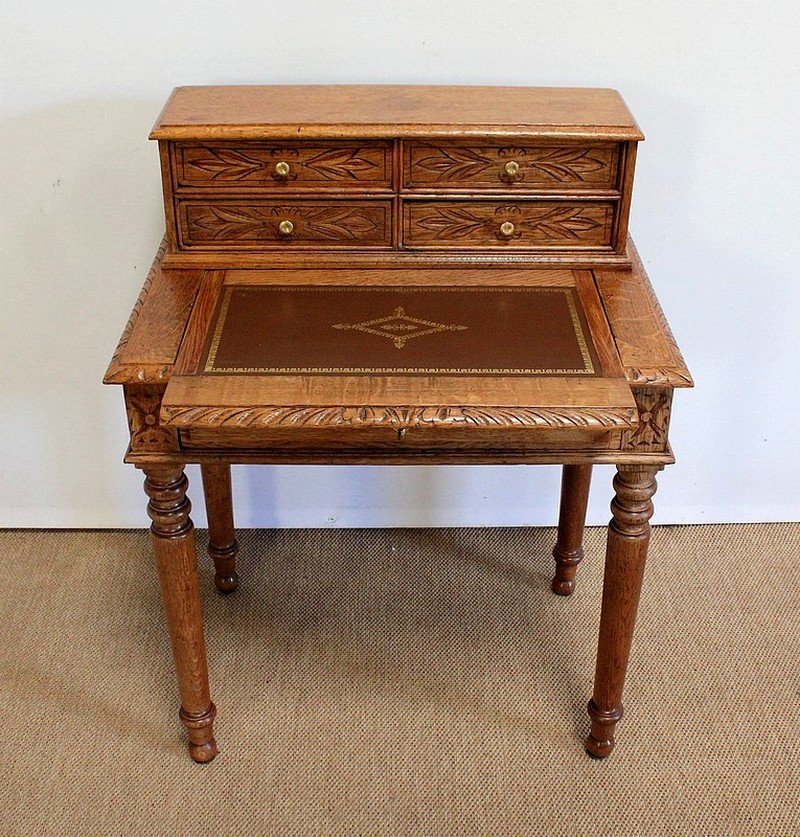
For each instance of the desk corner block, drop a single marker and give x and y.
(143, 407)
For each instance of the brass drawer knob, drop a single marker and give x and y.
(285, 227)
(282, 168)
(512, 168)
(507, 229)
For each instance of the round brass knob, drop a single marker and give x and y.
(512, 168)
(282, 169)
(285, 227)
(507, 229)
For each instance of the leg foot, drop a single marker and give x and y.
(626, 551)
(222, 545)
(600, 741)
(202, 746)
(568, 551)
(176, 561)
(226, 579)
(563, 586)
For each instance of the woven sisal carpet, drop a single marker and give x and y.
(402, 682)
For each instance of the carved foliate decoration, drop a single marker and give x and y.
(651, 435)
(522, 223)
(539, 165)
(397, 417)
(209, 164)
(337, 164)
(241, 222)
(143, 404)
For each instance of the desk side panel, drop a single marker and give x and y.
(150, 341)
(647, 349)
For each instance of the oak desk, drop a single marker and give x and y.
(397, 275)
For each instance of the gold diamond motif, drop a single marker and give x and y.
(399, 327)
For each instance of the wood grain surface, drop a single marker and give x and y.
(251, 112)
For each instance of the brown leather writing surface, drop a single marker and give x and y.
(441, 330)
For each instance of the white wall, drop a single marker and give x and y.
(715, 213)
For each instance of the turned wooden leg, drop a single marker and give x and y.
(568, 551)
(222, 545)
(628, 537)
(176, 562)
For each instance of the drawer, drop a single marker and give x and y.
(520, 224)
(447, 166)
(388, 442)
(282, 167)
(259, 224)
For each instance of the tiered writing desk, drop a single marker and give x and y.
(397, 275)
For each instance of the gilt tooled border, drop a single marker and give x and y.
(398, 417)
(580, 337)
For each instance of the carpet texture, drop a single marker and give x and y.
(402, 682)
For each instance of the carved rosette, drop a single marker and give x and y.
(143, 406)
(652, 433)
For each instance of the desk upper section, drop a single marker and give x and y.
(263, 176)
(390, 111)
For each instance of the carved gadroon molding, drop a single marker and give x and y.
(396, 417)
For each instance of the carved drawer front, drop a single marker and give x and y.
(283, 167)
(260, 224)
(521, 224)
(459, 166)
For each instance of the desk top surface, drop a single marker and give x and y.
(256, 112)
(148, 349)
